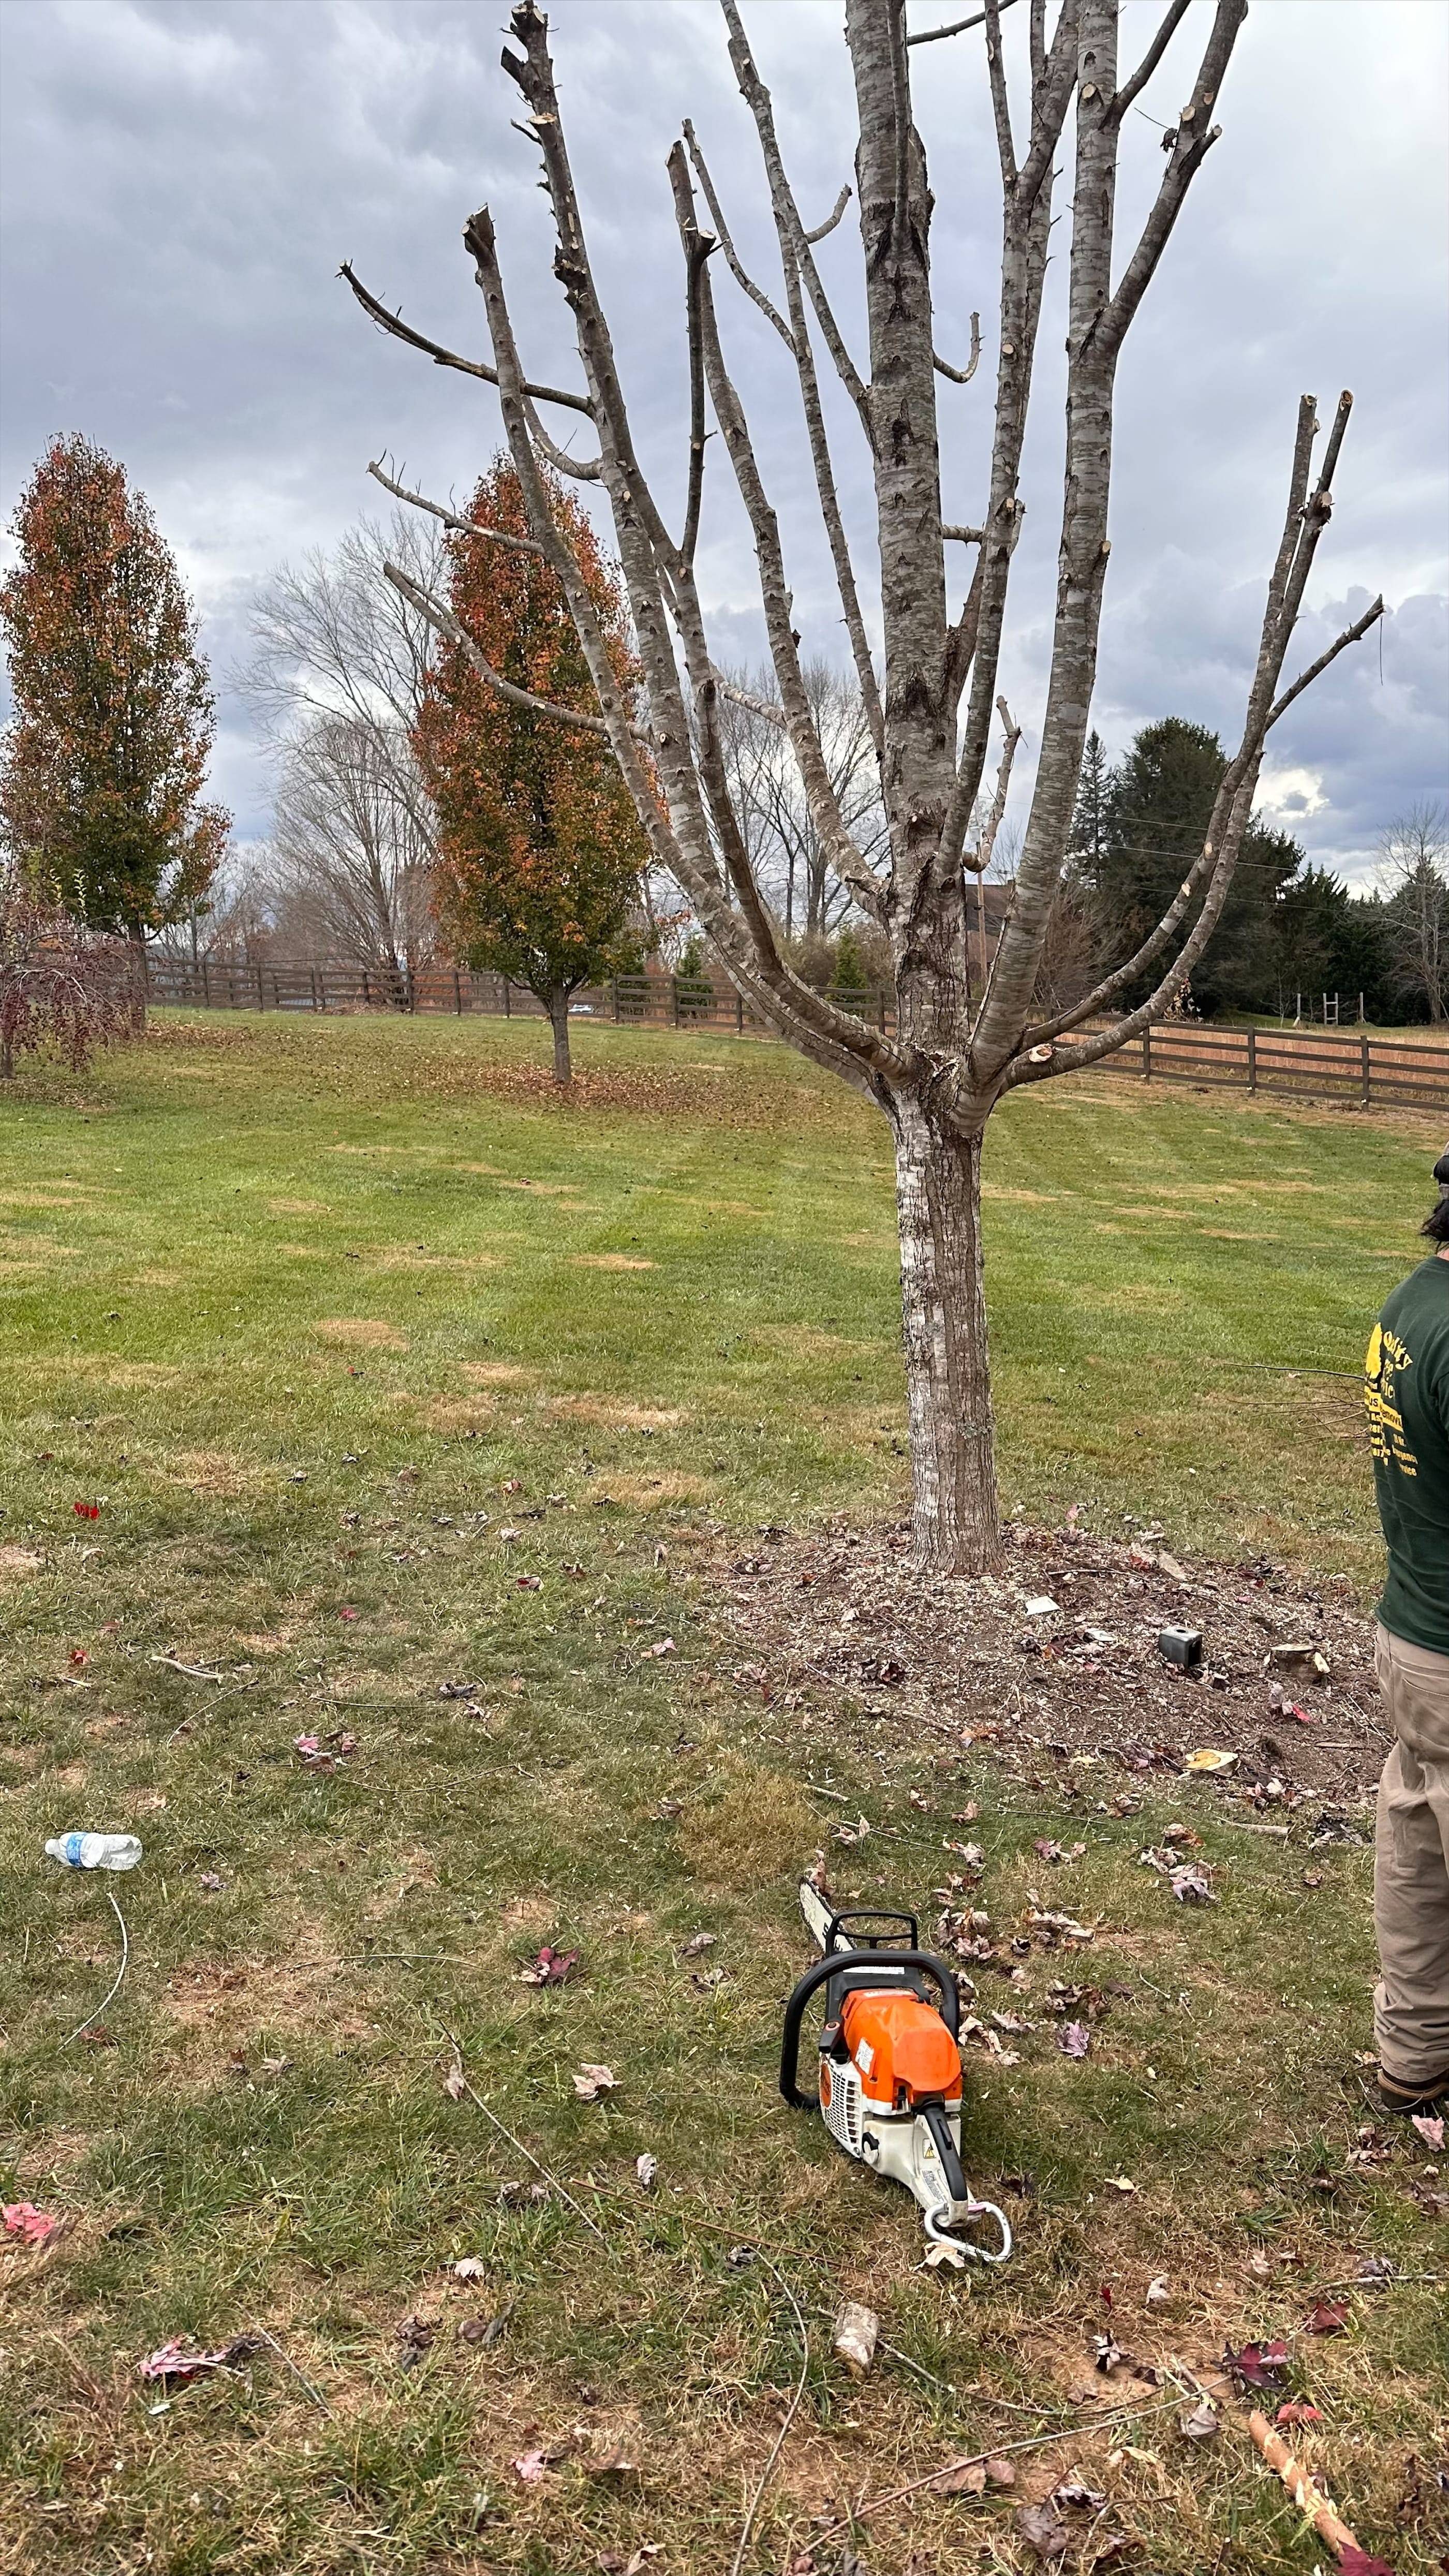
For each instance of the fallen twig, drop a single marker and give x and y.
(283, 2355)
(998, 2450)
(193, 1672)
(1300, 2486)
(517, 2143)
(789, 2417)
(120, 1977)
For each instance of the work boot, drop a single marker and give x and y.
(1429, 2098)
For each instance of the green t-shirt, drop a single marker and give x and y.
(1407, 1393)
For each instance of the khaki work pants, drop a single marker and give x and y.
(1411, 1865)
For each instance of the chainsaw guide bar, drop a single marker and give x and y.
(890, 2067)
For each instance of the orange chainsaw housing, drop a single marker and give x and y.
(902, 2048)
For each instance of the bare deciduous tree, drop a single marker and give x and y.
(786, 858)
(960, 1041)
(1412, 870)
(336, 674)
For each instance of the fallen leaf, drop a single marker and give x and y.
(78, 1659)
(1327, 2316)
(665, 1646)
(550, 1968)
(942, 2256)
(1077, 2496)
(1043, 2530)
(591, 2081)
(36, 2226)
(1258, 2365)
(347, 1611)
(1209, 1758)
(529, 1582)
(1296, 2410)
(469, 2267)
(646, 2167)
(86, 1511)
(999, 2472)
(211, 1881)
(1200, 2421)
(1430, 2130)
(178, 2360)
(455, 2084)
(529, 2467)
(965, 2477)
(1158, 2291)
(1358, 2562)
(1120, 2182)
(1190, 1885)
(697, 1942)
(1074, 2039)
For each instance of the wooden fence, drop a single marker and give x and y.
(1360, 1071)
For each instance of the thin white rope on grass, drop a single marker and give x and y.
(524, 2151)
(791, 2411)
(120, 1979)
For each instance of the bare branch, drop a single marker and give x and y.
(447, 624)
(979, 859)
(1191, 139)
(963, 536)
(958, 26)
(1000, 103)
(833, 218)
(1305, 679)
(737, 271)
(451, 518)
(769, 709)
(1121, 976)
(787, 213)
(697, 248)
(962, 375)
(397, 329)
(1150, 60)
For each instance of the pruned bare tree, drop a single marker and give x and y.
(960, 1041)
(336, 674)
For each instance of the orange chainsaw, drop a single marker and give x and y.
(890, 2067)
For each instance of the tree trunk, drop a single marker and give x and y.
(943, 1310)
(558, 1012)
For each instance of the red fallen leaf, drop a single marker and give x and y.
(513, 1484)
(1074, 2039)
(36, 2226)
(78, 1659)
(1104, 2293)
(86, 1511)
(529, 1582)
(530, 2467)
(1258, 2365)
(1296, 2410)
(1360, 2562)
(1327, 2316)
(177, 2360)
(347, 1611)
(550, 1968)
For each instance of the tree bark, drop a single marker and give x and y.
(558, 1012)
(943, 1313)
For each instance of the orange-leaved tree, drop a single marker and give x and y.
(540, 850)
(105, 757)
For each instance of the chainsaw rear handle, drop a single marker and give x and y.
(832, 1966)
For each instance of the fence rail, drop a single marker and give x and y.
(1358, 1070)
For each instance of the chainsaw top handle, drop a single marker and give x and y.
(841, 1962)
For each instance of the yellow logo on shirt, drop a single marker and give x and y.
(1385, 1356)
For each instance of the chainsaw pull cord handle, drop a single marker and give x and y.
(940, 2229)
(832, 1965)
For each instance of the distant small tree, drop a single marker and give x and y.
(106, 755)
(540, 850)
(1414, 856)
(60, 985)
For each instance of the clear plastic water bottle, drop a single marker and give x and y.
(95, 1851)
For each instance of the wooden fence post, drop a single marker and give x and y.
(1147, 1053)
(1252, 1059)
(261, 1003)
(507, 1000)
(1366, 1067)
(457, 993)
(674, 988)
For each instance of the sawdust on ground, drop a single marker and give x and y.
(841, 1619)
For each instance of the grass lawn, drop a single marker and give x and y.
(391, 1374)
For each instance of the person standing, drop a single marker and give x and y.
(1407, 1393)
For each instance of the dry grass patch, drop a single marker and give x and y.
(496, 1373)
(749, 1828)
(359, 1332)
(613, 1413)
(611, 1261)
(299, 1207)
(216, 1471)
(17, 1564)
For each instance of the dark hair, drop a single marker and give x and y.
(1436, 1223)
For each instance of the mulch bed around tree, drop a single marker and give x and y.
(840, 1623)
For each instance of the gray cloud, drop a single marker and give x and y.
(183, 177)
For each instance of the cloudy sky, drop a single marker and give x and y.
(182, 178)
